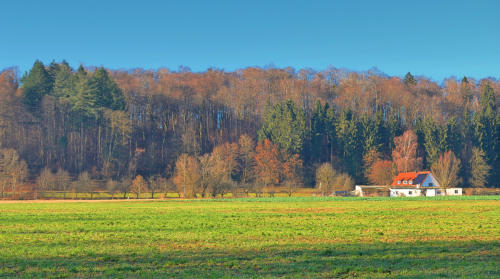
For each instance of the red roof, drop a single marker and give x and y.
(408, 176)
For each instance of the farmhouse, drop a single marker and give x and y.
(413, 184)
(409, 184)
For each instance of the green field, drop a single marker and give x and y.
(282, 237)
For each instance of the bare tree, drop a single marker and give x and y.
(404, 154)
(138, 186)
(45, 181)
(446, 170)
(325, 178)
(155, 183)
(113, 187)
(187, 175)
(63, 181)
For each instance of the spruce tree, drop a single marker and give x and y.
(35, 85)
(409, 80)
(485, 129)
(284, 125)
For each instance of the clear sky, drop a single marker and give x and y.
(434, 38)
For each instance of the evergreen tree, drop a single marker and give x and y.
(433, 142)
(108, 94)
(409, 80)
(64, 84)
(485, 127)
(319, 136)
(284, 125)
(350, 143)
(36, 84)
(372, 130)
(480, 170)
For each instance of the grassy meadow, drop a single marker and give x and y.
(281, 237)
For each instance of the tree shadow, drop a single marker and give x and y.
(461, 259)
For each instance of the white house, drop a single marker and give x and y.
(414, 184)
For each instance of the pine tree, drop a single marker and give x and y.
(480, 170)
(284, 125)
(485, 128)
(35, 85)
(108, 94)
(409, 80)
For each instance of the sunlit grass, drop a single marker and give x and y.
(280, 237)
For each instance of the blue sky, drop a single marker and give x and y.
(433, 38)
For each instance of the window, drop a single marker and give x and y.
(430, 184)
(404, 182)
(410, 182)
(399, 181)
(410, 192)
(456, 191)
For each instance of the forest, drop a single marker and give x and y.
(214, 132)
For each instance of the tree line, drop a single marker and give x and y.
(245, 130)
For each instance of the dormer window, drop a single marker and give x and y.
(410, 182)
(404, 182)
(399, 181)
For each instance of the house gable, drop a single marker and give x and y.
(430, 181)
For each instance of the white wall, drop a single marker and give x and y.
(454, 191)
(430, 192)
(405, 192)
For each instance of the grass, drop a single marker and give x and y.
(456, 237)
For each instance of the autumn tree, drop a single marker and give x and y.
(82, 184)
(446, 170)
(62, 181)
(246, 159)
(139, 185)
(325, 178)
(112, 186)
(404, 154)
(343, 182)
(13, 171)
(292, 172)
(156, 184)
(223, 165)
(267, 164)
(381, 172)
(187, 175)
(45, 181)
(371, 157)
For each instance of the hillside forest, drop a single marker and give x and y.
(214, 132)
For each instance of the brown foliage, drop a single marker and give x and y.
(267, 163)
(138, 186)
(187, 175)
(381, 172)
(404, 154)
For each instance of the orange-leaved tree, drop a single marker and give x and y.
(381, 172)
(404, 154)
(267, 164)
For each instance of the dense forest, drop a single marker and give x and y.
(214, 131)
